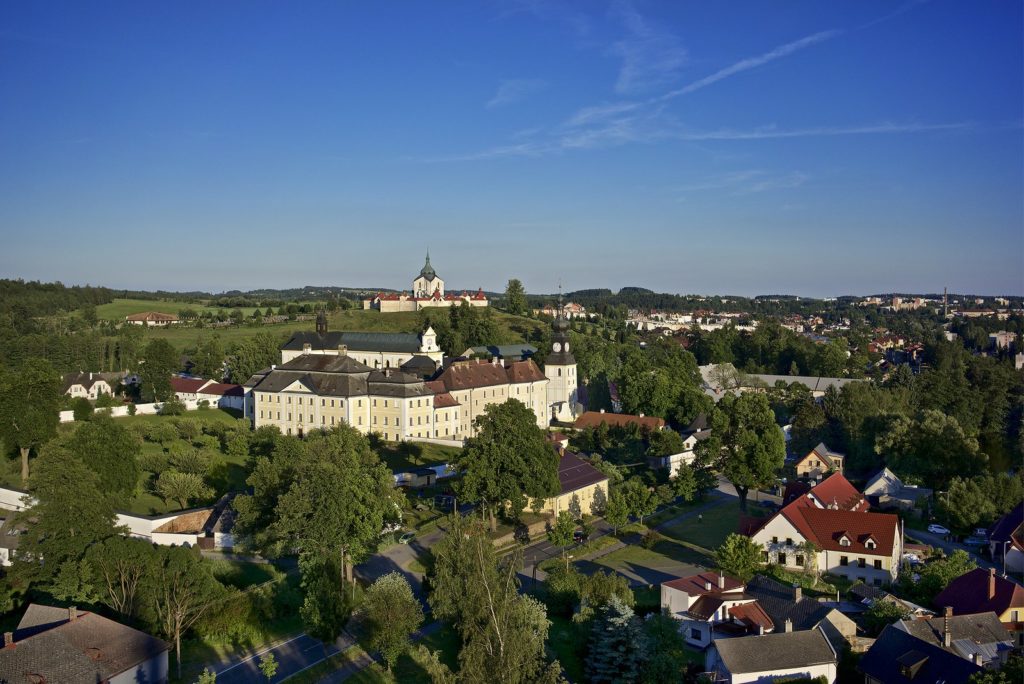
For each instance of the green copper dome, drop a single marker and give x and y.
(428, 271)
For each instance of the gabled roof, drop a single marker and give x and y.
(223, 389)
(752, 615)
(777, 600)
(981, 591)
(589, 419)
(980, 629)
(696, 585)
(1010, 528)
(187, 385)
(471, 375)
(775, 652)
(826, 527)
(835, 491)
(823, 453)
(151, 317)
(574, 473)
(87, 380)
(85, 650)
(896, 654)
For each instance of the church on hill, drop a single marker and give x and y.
(427, 292)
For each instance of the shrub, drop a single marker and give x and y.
(172, 407)
(650, 540)
(203, 405)
(131, 409)
(82, 408)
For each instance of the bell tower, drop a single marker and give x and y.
(560, 369)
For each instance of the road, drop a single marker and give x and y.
(293, 656)
(949, 547)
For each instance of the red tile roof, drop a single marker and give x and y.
(223, 389)
(835, 491)
(574, 473)
(469, 375)
(589, 419)
(825, 527)
(981, 591)
(695, 585)
(187, 385)
(752, 615)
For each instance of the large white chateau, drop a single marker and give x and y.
(400, 385)
(427, 292)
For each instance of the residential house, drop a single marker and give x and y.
(982, 591)
(1006, 540)
(10, 535)
(712, 606)
(886, 490)
(78, 647)
(898, 657)
(582, 487)
(819, 462)
(980, 638)
(1002, 339)
(867, 595)
(785, 604)
(592, 419)
(849, 540)
(691, 437)
(216, 394)
(766, 657)
(151, 319)
(90, 385)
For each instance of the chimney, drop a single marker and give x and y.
(342, 350)
(976, 658)
(273, 366)
(602, 410)
(73, 613)
(798, 593)
(641, 414)
(760, 629)
(787, 626)
(947, 637)
(8, 639)
(707, 585)
(991, 583)
(721, 581)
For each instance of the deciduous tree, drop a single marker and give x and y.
(111, 451)
(560, 533)
(739, 556)
(29, 408)
(160, 361)
(507, 461)
(515, 297)
(182, 487)
(393, 614)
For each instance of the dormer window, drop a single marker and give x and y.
(844, 541)
(870, 544)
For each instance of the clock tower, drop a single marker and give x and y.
(560, 370)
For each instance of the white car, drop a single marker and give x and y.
(938, 529)
(912, 558)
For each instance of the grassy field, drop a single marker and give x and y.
(407, 456)
(710, 531)
(119, 308)
(510, 328)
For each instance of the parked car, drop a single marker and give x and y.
(981, 532)
(912, 558)
(579, 536)
(407, 537)
(975, 541)
(938, 529)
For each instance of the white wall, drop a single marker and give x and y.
(140, 409)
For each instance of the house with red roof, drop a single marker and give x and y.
(848, 539)
(217, 394)
(592, 419)
(711, 606)
(981, 591)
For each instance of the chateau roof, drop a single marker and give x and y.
(470, 375)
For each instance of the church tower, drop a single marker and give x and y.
(560, 369)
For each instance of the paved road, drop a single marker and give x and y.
(948, 546)
(293, 656)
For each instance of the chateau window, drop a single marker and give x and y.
(861, 563)
(360, 403)
(332, 420)
(289, 416)
(374, 403)
(789, 541)
(844, 560)
(559, 372)
(261, 414)
(878, 565)
(374, 420)
(279, 399)
(289, 400)
(385, 420)
(419, 402)
(323, 420)
(360, 420)
(775, 540)
(323, 402)
(410, 421)
(332, 403)
(279, 415)
(300, 417)
(782, 559)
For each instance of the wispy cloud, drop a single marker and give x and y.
(753, 62)
(601, 112)
(769, 132)
(515, 90)
(650, 55)
(747, 182)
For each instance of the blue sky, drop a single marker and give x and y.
(813, 148)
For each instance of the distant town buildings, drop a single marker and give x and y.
(427, 292)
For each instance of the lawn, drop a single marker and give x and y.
(566, 642)
(119, 308)
(445, 642)
(511, 328)
(710, 529)
(403, 457)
